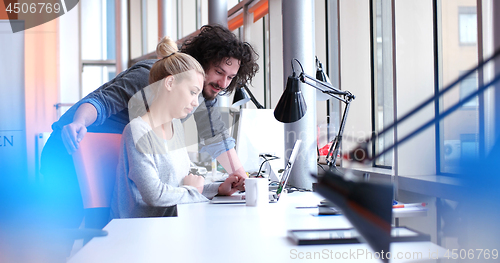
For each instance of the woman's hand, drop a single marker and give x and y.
(241, 176)
(231, 185)
(195, 181)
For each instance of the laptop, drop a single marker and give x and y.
(273, 197)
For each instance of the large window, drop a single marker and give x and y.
(436, 43)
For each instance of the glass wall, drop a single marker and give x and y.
(437, 42)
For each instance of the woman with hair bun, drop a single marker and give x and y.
(153, 168)
(165, 47)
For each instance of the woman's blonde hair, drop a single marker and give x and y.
(172, 62)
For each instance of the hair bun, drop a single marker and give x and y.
(166, 47)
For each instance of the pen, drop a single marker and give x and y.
(409, 205)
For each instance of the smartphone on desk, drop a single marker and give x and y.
(350, 236)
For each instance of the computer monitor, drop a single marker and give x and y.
(259, 132)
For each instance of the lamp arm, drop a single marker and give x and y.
(304, 78)
(253, 99)
(331, 157)
(332, 95)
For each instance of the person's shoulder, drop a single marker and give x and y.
(138, 73)
(138, 124)
(136, 129)
(141, 136)
(148, 63)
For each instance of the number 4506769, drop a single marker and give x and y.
(471, 254)
(33, 8)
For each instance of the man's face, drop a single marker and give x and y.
(219, 76)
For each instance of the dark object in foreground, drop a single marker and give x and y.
(368, 206)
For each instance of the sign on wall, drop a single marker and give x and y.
(13, 153)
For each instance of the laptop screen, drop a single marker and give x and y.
(288, 168)
(260, 133)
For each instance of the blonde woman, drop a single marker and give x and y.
(153, 170)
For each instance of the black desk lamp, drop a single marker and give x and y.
(292, 107)
(368, 206)
(242, 95)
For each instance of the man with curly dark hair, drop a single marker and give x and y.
(216, 45)
(226, 60)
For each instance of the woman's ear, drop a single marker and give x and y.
(169, 81)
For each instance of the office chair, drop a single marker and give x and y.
(95, 164)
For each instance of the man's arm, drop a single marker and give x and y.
(113, 97)
(216, 139)
(73, 133)
(109, 99)
(230, 161)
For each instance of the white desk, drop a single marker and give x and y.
(206, 232)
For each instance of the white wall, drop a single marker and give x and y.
(187, 9)
(152, 20)
(355, 67)
(415, 83)
(135, 29)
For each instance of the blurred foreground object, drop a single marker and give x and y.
(368, 206)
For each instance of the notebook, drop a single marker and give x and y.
(273, 197)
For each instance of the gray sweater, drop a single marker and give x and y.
(150, 173)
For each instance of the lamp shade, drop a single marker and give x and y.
(240, 97)
(292, 106)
